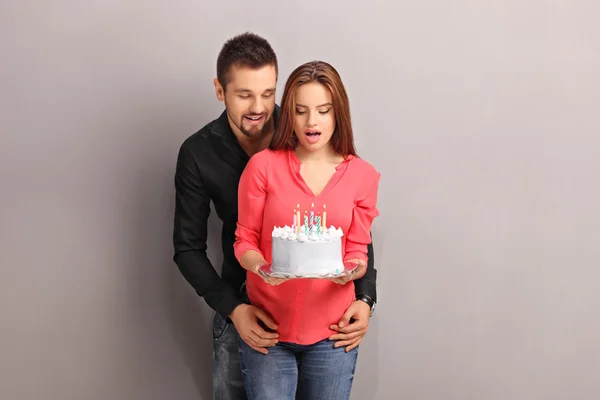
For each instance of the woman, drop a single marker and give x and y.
(311, 164)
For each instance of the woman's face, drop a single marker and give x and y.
(314, 118)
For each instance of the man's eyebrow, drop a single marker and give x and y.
(320, 105)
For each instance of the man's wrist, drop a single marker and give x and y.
(368, 300)
(237, 308)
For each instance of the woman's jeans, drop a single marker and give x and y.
(317, 372)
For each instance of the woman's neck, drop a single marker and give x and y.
(324, 155)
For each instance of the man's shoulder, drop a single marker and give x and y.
(199, 139)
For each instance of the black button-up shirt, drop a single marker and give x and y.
(209, 166)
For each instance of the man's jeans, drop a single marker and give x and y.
(227, 372)
(317, 371)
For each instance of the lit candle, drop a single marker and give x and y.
(294, 222)
(318, 223)
(324, 217)
(298, 222)
(312, 215)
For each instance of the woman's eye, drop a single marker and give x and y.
(324, 112)
(300, 112)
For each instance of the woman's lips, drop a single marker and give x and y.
(312, 136)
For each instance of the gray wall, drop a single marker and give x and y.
(479, 115)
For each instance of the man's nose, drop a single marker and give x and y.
(257, 106)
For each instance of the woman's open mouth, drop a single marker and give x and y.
(312, 136)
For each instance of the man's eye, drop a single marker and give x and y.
(244, 96)
(266, 96)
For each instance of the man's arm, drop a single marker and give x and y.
(367, 284)
(354, 324)
(192, 209)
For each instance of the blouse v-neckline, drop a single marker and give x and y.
(340, 169)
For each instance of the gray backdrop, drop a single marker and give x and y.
(479, 115)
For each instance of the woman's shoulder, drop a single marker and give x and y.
(363, 168)
(268, 157)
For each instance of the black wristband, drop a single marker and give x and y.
(368, 300)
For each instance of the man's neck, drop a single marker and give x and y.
(253, 145)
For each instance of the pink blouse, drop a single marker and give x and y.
(270, 189)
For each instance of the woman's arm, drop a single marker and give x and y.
(252, 194)
(359, 232)
(251, 260)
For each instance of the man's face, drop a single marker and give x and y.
(249, 99)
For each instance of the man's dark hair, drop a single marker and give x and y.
(244, 50)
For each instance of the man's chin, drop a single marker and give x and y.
(253, 133)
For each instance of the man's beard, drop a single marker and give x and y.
(254, 131)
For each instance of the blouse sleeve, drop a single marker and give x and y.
(252, 194)
(359, 232)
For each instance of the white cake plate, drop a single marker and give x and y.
(349, 269)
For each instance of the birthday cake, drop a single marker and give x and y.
(308, 248)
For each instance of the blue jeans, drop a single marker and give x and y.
(227, 372)
(304, 372)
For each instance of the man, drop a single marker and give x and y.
(209, 165)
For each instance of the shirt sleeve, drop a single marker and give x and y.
(367, 285)
(192, 209)
(359, 233)
(252, 195)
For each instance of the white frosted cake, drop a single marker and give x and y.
(300, 251)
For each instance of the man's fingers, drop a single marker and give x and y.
(352, 346)
(345, 320)
(266, 320)
(255, 339)
(265, 335)
(353, 327)
(259, 349)
(264, 338)
(347, 336)
(261, 341)
(262, 333)
(250, 339)
(344, 343)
